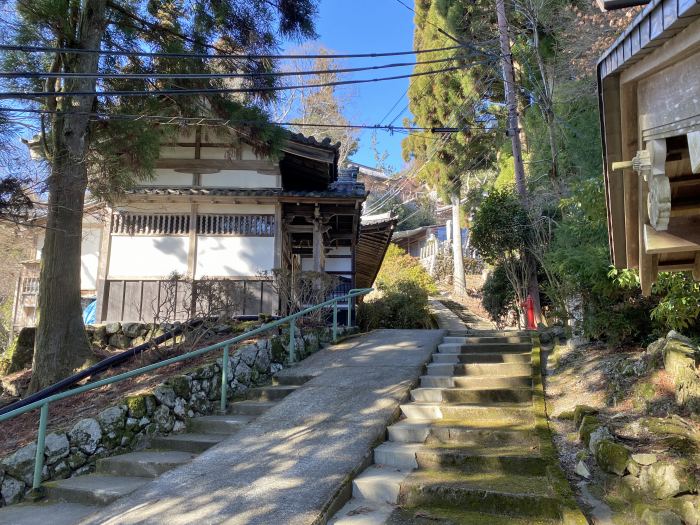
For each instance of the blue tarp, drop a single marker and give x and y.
(89, 316)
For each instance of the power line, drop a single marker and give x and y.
(207, 56)
(209, 121)
(209, 91)
(144, 76)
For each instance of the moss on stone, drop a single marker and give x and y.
(589, 424)
(612, 457)
(181, 386)
(582, 411)
(139, 405)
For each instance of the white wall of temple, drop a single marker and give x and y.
(147, 256)
(89, 253)
(243, 209)
(239, 179)
(223, 256)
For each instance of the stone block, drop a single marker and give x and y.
(612, 457)
(86, 435)
(56, 447)
(665, 479)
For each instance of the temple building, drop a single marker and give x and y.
(213, 212)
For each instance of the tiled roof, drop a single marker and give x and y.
(312, 141)
(356, 192)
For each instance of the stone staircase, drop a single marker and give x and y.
(465, 450)
(71, 499)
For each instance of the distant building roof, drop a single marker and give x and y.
(369, 171)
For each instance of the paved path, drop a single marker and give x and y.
(288, 465)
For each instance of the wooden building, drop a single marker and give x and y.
(213, 212)
(649, 87)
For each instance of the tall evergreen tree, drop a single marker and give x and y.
(106, 156)
(459, 98)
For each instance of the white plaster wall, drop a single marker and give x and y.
(89, 257)
(338, 265)
(147, 256)
(222, 256)
(167, 177)
(307, 264)
(176, 152)
(239, 179)
(247, 153)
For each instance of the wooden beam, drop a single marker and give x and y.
(677, 239)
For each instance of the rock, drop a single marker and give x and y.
(644, 459)
(112, 419)
(163, 418)
(688, 508)
(263, 360)
(77, 459)
(566, 415)
(119, 341)
(581, 411)
(61, 470)
(86, 435)
(582, 470)
(612, 457)
(588, 425)
(680, 362)
(99, 335)
(276, 367)
(132, 329)
(20, 465)
(179, 426)
(598, 435)
(112, 328)
(247, 354)
(661, 517)
(11, 490)
(179, 408)
(545, 338)
(165, 395)
(56, 447)
(20, 352)
(664, 479)
(242, 373)
(140, 405)
(181, 385)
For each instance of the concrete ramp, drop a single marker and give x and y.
(292, 463)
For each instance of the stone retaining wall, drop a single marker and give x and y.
(130, 424)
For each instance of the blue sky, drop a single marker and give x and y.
(367, 26)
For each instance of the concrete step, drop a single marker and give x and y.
(491, 493)
(479, 369)
(146, 463)
(466, 395)
(270, 393)
(399, 455)
(487, 333)
(476, 382)
(484, 348)
(487, 459)
(478, 357)
(379, 484)
(227, 424)
(289, 379)
(250, 408)
(189, 442)
(93, 489)
(505, 413)
(43, 513)
(463, 340)
(362, 512)
(438, 432)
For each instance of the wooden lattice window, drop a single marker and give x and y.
(152, 224)
(236, 225)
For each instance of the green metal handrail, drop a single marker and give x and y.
(43, 404)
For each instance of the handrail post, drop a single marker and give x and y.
(224, 380)
(292, 340)
(349, 323)
(335, 321)
(40, 444)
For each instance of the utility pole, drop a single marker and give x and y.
(514, 132)
(459, 285)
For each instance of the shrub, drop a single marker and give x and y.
(403, 304)
(401, 300)
(498, 295)
(399, 266)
